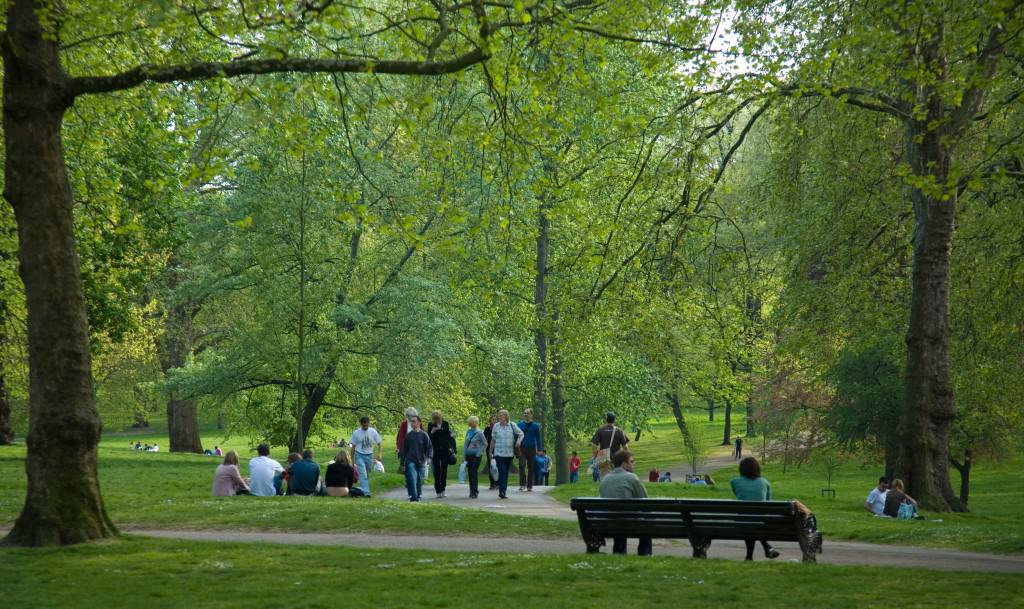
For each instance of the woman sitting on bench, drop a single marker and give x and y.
(750, 486)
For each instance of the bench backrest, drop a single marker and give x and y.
(684, 518)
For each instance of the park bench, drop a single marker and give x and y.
(698, 520)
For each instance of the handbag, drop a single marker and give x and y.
(462, 473)
(493, 466)
(452, 459)
(605, 454)
(906, 511)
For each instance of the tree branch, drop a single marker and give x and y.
(84, 85)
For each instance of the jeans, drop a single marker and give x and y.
(574, 477)
(504, 463)
(644, 548)
(472, 465)
(364, 463)
(440, 469)
(414, 475)
(527, 467)
(542, 478)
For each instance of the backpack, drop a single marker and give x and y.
(906, 511)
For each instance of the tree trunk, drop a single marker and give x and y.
(62, 503)
(928, 405)
(727, 434)
(965, 476)
(174, 348)
(677, 412)
(751, 432)
(711, 409)
(540, 295)
(558, 416)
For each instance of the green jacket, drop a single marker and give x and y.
(620, 484)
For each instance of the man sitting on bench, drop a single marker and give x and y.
(622, 483)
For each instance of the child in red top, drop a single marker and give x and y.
(574, 467)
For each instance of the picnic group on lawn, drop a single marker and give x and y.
(496, 447)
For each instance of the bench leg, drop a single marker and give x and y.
(809, 539)
(593, 543)
(700, 546)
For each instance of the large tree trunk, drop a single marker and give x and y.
(727, 433)
(63, 503)
(540, 295)
(174, 348)
(677, 412)
(928, 405)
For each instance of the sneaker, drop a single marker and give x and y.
(529, 490)
(502, 496)
(443, 495)
(522, 488)
(772, 554)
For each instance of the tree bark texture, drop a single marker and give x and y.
(62, 503)
(6, 431)
(540, 295)
(727, 433)
(928, 394)
(174, 348)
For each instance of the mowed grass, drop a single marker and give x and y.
(163, 574)
(170, 491)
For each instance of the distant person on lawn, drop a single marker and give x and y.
(305, 476)
(340, 475)
(227, 481)
(897, 497)
(750, 486)
(875, 503)
(574, 468)
(607, 441)
(533, 444)
(622, 483)
(404, 428)
(738, 453)
(265, 474)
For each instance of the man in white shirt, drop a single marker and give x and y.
(363, 441)
(264, 473)
(875, 502)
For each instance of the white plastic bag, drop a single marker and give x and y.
(462, 473)
(494, 468)
(378, 467)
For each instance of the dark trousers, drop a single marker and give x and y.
(504, 463)
(750, 547)
(440, 465)
(527, 467)
(644, 548)
(472, 465)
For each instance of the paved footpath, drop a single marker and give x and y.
(536, 503)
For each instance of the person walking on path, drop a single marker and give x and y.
(487, 436)
(416, 452)
(265, 474)
(533, 442)
(473, 448)
(543, 467)
(750, 486)
(739, 448)
(574, 468)
(622, 483)
(607, 441)
(363, 442)
(443, 440)
(403, 429)
(506, 439)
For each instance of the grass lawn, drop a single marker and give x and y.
(159, 574)
(993, 525)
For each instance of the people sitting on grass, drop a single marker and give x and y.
(896, 499)
(666, 477)
(265, 474)
(875, 503)
(227, 481)
(305, 476)
(708, 480)
(340, 475)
